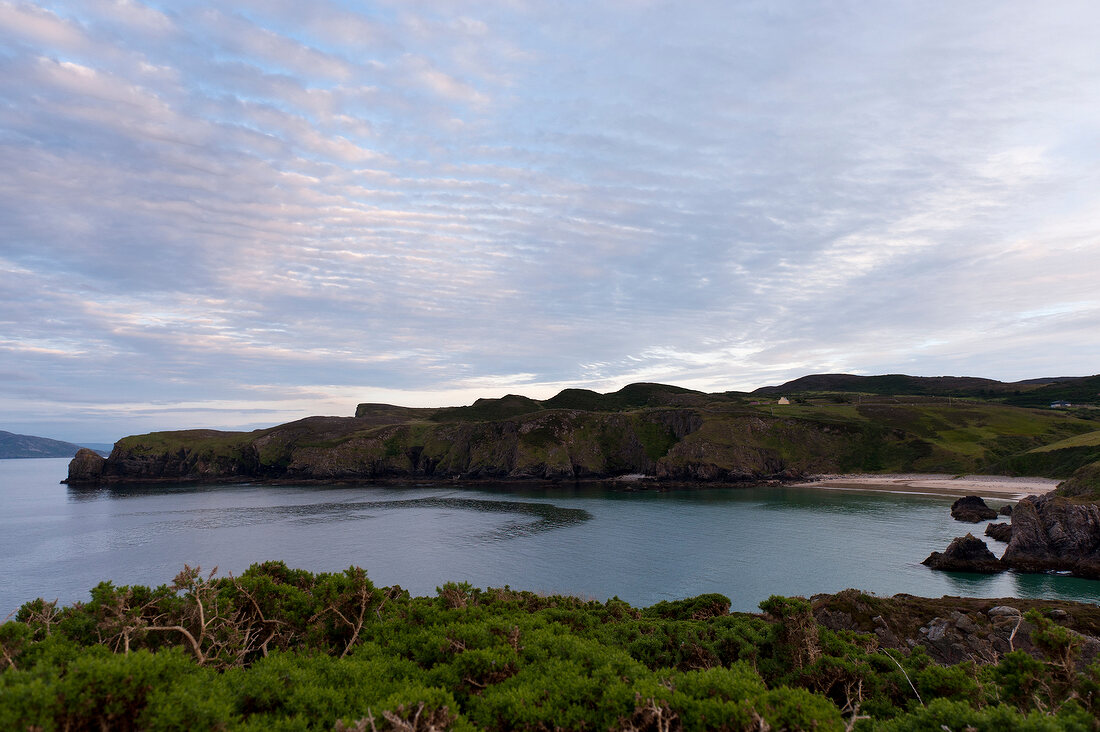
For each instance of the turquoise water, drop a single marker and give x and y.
(748, 543)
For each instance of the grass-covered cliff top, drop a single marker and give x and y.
(665, 432)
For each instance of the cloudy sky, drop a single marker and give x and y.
(233, 214)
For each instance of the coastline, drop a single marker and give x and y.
(996, 486)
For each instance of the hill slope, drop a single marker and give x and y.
(29, 446)
(1082, 390)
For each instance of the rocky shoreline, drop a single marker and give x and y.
(1049, 533)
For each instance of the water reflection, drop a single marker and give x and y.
(843, 502)
(546, 516)
(969, 584)
(540, 517)
(89, 493)
(1056, 586)
(1052, 586)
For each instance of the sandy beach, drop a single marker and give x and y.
(995, 486)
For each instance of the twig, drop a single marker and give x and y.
(1019, 622)
(905, 675)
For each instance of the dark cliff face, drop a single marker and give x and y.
(557, 444)
(1052, 532)
(659, 432)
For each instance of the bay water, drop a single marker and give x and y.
(645, 546)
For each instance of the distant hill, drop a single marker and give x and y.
(29, 446)
(892, 384)
(1082, 390)
(632, 396)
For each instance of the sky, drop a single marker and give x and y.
(234, 214)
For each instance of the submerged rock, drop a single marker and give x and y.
(965, 554)
(1000, 532)
(971, 509)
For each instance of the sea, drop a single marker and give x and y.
(643, 546)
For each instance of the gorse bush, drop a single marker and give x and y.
(283, 649)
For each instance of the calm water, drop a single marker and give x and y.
(748, 543)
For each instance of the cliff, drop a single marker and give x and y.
(665, 433)
(1061, 530)
(548, 445)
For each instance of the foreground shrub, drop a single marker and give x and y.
(283, 649)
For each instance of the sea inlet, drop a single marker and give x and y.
(643, 546)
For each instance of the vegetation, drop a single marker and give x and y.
(1084, 485)
(283, 649)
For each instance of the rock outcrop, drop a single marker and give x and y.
(1055, 533)
(999, 531)
(971, 509)
(965, 554)
(86, 466)
(1006, 510)
(954, 629)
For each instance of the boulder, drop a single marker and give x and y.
(965, 554)
(86, 467)
(971, 509)
(1006, 510)
(1003, 611)
(1000, 532)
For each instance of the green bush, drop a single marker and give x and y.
(283, 649)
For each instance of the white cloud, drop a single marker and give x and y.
(40, 26)
(425, 204)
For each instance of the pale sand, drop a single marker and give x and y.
(999, 486)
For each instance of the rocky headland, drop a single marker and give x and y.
(1056, 532)
(664, 433)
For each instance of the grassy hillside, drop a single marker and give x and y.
(1030, 393)
(1084, 390)
(891, 384)
(1084, 484)
(29, 446)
